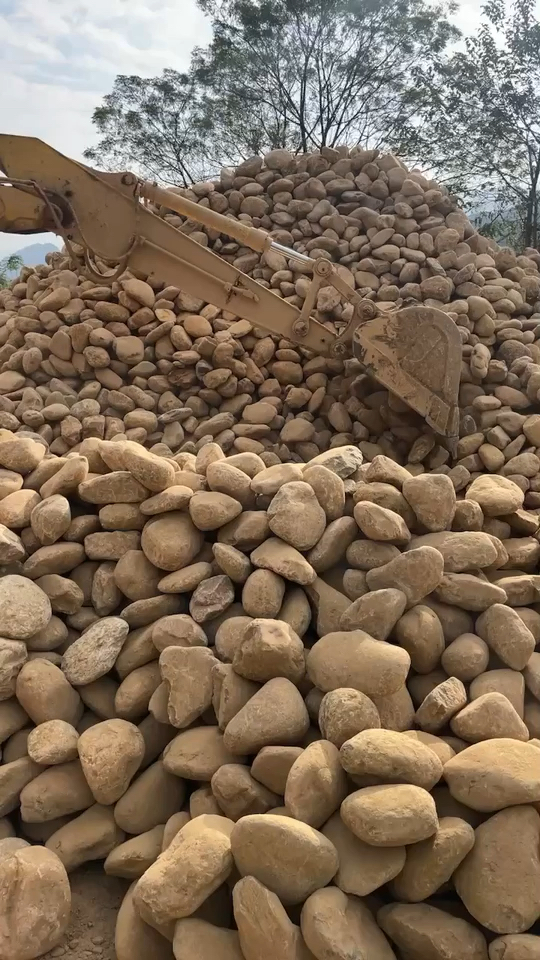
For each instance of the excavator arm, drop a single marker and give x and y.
(415, 352)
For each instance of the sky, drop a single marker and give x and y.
(60, 57)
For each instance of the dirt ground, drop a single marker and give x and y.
(95, 902)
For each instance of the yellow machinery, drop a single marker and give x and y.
(415, 351)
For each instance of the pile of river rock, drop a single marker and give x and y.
(268, 650)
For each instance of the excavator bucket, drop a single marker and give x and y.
(415, 353)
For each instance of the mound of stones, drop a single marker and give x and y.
(295, 706)
(149, 363)
(267, 649)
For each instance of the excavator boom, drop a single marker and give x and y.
(415, 352)
(103, 214)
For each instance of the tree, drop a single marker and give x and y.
(9, 265)
(299, 74)
(153, 126)
(481, 133)
(323, 73)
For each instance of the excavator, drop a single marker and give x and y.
(413, 351)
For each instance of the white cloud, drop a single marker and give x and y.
(469, 15)
(59, 58)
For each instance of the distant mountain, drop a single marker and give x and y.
(35, 253)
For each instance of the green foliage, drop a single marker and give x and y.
(279, 73)
(304, 75)
(9, 265)
(481, 131)
(152, 125)
(502, 224)
(321, 73)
